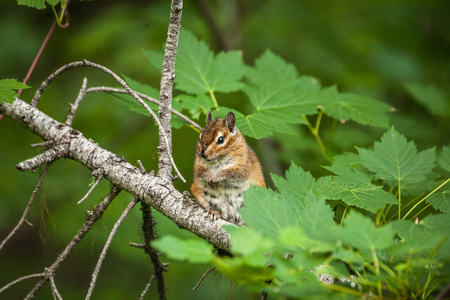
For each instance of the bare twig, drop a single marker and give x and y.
(47, 156)
(107, 244)
(92, 218)
(136, 245)
(141, 166)
(146, 97)
(165, 92)
(74, 106)
(43, 144)
(55, 293)
(85, 63)
(201, 278)
(27, 209)
(19, 280)
(148, 227)
(147, 286)
(97, 181)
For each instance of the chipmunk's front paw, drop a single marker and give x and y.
(213, 214)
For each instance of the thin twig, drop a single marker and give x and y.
(86, 63)
(27, 209)
(201, 278)
(141, 166)
(146, 97)
(19, 280)
(92, 218)
(97, 181)
(43, 144)
(136, 245)
(56, 294)
(148, 227)
(74, 106)
(147, 286)
(107, 244)
(166, 89)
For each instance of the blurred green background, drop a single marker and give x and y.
(373, 48)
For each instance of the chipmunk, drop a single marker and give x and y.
(224, 168)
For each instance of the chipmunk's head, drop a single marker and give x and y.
(218, 138)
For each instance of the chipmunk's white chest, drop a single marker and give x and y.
(225, 196)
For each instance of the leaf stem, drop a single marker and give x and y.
(330, 137)
(343, 215)
(213, 98)
(375, 260)
(424, 198)
(426, 206)
(315, 133)
(399, 199)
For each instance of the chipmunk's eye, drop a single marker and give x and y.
(220, 140)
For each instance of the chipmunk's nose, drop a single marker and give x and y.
(203, 152)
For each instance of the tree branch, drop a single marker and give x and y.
(154, 190)
(165, 93)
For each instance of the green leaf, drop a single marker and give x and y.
(444, 158)
(360, 232)
(267, 212)
(7, 89)
(354, 188)
(271, 69)
(297, 182)
(348, 106)
(191, 250)
(440, 200)
(431, 96)
(348, 160)
(200, 104)
(198, 71)
(396, 159)
(38, 4)
(317, 223)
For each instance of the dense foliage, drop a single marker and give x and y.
(371, 219)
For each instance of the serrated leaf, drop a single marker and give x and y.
(360, 232)
(431, 96)
(191, 250)
(348, 160)
(444, 158)
(440, 200)
(394, 158)
(317, 223)
(258, 125)
(8, 88)
(348, 106)
(354, 188)
(296, 182)
(200, 104)
(198, 71)
(38, 4)
(270, 69)
(265, 211)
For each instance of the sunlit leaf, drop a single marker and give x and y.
(191, 250)
(360, 232)
(354, 188)
(394, 158)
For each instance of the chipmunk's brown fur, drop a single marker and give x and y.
(224, 168)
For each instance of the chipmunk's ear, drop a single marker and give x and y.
(230, 121)
(208, 117)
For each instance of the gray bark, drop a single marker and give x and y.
(156, 191)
